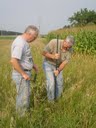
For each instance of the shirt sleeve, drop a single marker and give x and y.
(68, 57)
(17, 52)
(50, 46)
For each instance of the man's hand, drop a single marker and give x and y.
(56, 56)
(52, 56)
(56, 72)
(25, 76)
(35, 68)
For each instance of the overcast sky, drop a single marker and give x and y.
(15, 15)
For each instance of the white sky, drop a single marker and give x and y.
(15, 15)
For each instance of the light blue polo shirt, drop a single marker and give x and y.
(20, 50)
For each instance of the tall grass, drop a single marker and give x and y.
(75, 109)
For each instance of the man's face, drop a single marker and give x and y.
(32, 36)
(67, 44)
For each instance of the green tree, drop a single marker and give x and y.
(83, 17)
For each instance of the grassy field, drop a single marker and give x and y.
(75, 109)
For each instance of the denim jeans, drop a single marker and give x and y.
(50, 81)
(23, 92)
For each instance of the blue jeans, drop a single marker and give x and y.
(50, 81)
(23, 92)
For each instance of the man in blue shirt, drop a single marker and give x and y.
(22, 62)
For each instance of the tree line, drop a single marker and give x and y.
(4, 33)
(82, 18)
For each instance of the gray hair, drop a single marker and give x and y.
(31, 28)
(70, 39)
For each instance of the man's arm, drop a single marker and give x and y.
(17, 67)
(35, 68)
(63, 64)
(51, 56)
(61, 67)
(48, 50)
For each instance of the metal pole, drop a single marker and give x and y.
(56, 68)
(34, 90)
(35, 77)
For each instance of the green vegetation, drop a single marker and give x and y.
(8, 33)
(83, 17)
(85, 38)
(75, 109)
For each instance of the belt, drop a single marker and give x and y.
(27, 70)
